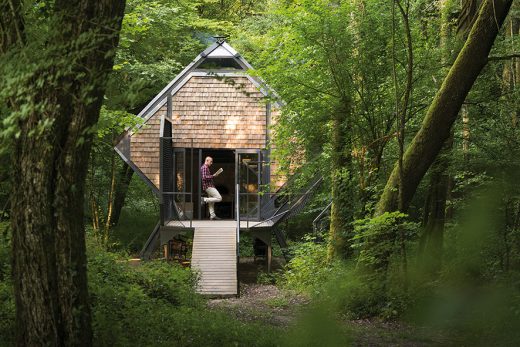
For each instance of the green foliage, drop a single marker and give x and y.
(246, 245)
(279, 302)
(155, 304)
(5, 250)
(324, 60)
(308, 269)
(7, 313)
(268, 278)
(104, 169)
(151, 304)
(375, 238)
(158, 39)
(339, 286)
(137, 221)
(319, 326)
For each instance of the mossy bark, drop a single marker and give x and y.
(440, 184)
(444, 109)
(60, 103)
(342, 210)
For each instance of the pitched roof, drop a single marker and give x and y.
(219, 49)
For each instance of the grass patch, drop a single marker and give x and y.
(133, 229)
(277, 302)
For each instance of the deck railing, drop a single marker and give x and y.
(171, 213)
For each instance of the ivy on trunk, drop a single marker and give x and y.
(54, 83)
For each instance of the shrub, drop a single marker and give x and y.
(154, 304)
(308, 269)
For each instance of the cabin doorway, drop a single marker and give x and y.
(249, 179)
(225, 182)
(244, 168)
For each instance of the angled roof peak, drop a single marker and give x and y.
(218, 58)
(220, 49)
(220, 39)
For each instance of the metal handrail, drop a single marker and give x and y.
(184, 194)
(319, 216)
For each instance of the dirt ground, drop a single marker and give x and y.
(264, 303)
(268, 304)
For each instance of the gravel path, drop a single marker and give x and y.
(262, 303)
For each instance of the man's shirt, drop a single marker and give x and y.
(207, 178)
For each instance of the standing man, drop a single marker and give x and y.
(209, 187)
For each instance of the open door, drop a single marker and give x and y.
(248, 176)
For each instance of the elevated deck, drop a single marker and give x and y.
(216, 224)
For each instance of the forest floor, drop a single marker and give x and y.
(268, 304)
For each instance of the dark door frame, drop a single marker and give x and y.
(238, 166)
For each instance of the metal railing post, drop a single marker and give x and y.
(247, 194)
(238, 235)
(191, 185)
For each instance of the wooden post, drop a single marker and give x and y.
(269, 256)
(165, 249)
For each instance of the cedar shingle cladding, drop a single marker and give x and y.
(219, 113)
(145, 147)
(214, 112)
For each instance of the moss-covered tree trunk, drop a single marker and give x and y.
(431, 243)
(56, 101)
(342, 210)
(444, 109)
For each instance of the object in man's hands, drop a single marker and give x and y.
(219, 171)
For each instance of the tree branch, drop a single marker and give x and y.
(504, 57)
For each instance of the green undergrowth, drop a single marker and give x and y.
(133, 229)
(151, 304)
(154, 304)
(462, 304)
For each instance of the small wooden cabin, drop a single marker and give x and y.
(214, 108)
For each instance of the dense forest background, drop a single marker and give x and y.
(408, 109)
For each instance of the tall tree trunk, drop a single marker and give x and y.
(59, 103)
(511, 73)
(342, 210)
(443, 110)
(466, 19)
(401, 111)
(441, 183)
(125, 177)
(111, 193)
(431, 243)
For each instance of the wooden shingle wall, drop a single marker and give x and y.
(145, 147)
(216, 113)
(219, 113)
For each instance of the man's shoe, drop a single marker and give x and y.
(215, 218)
